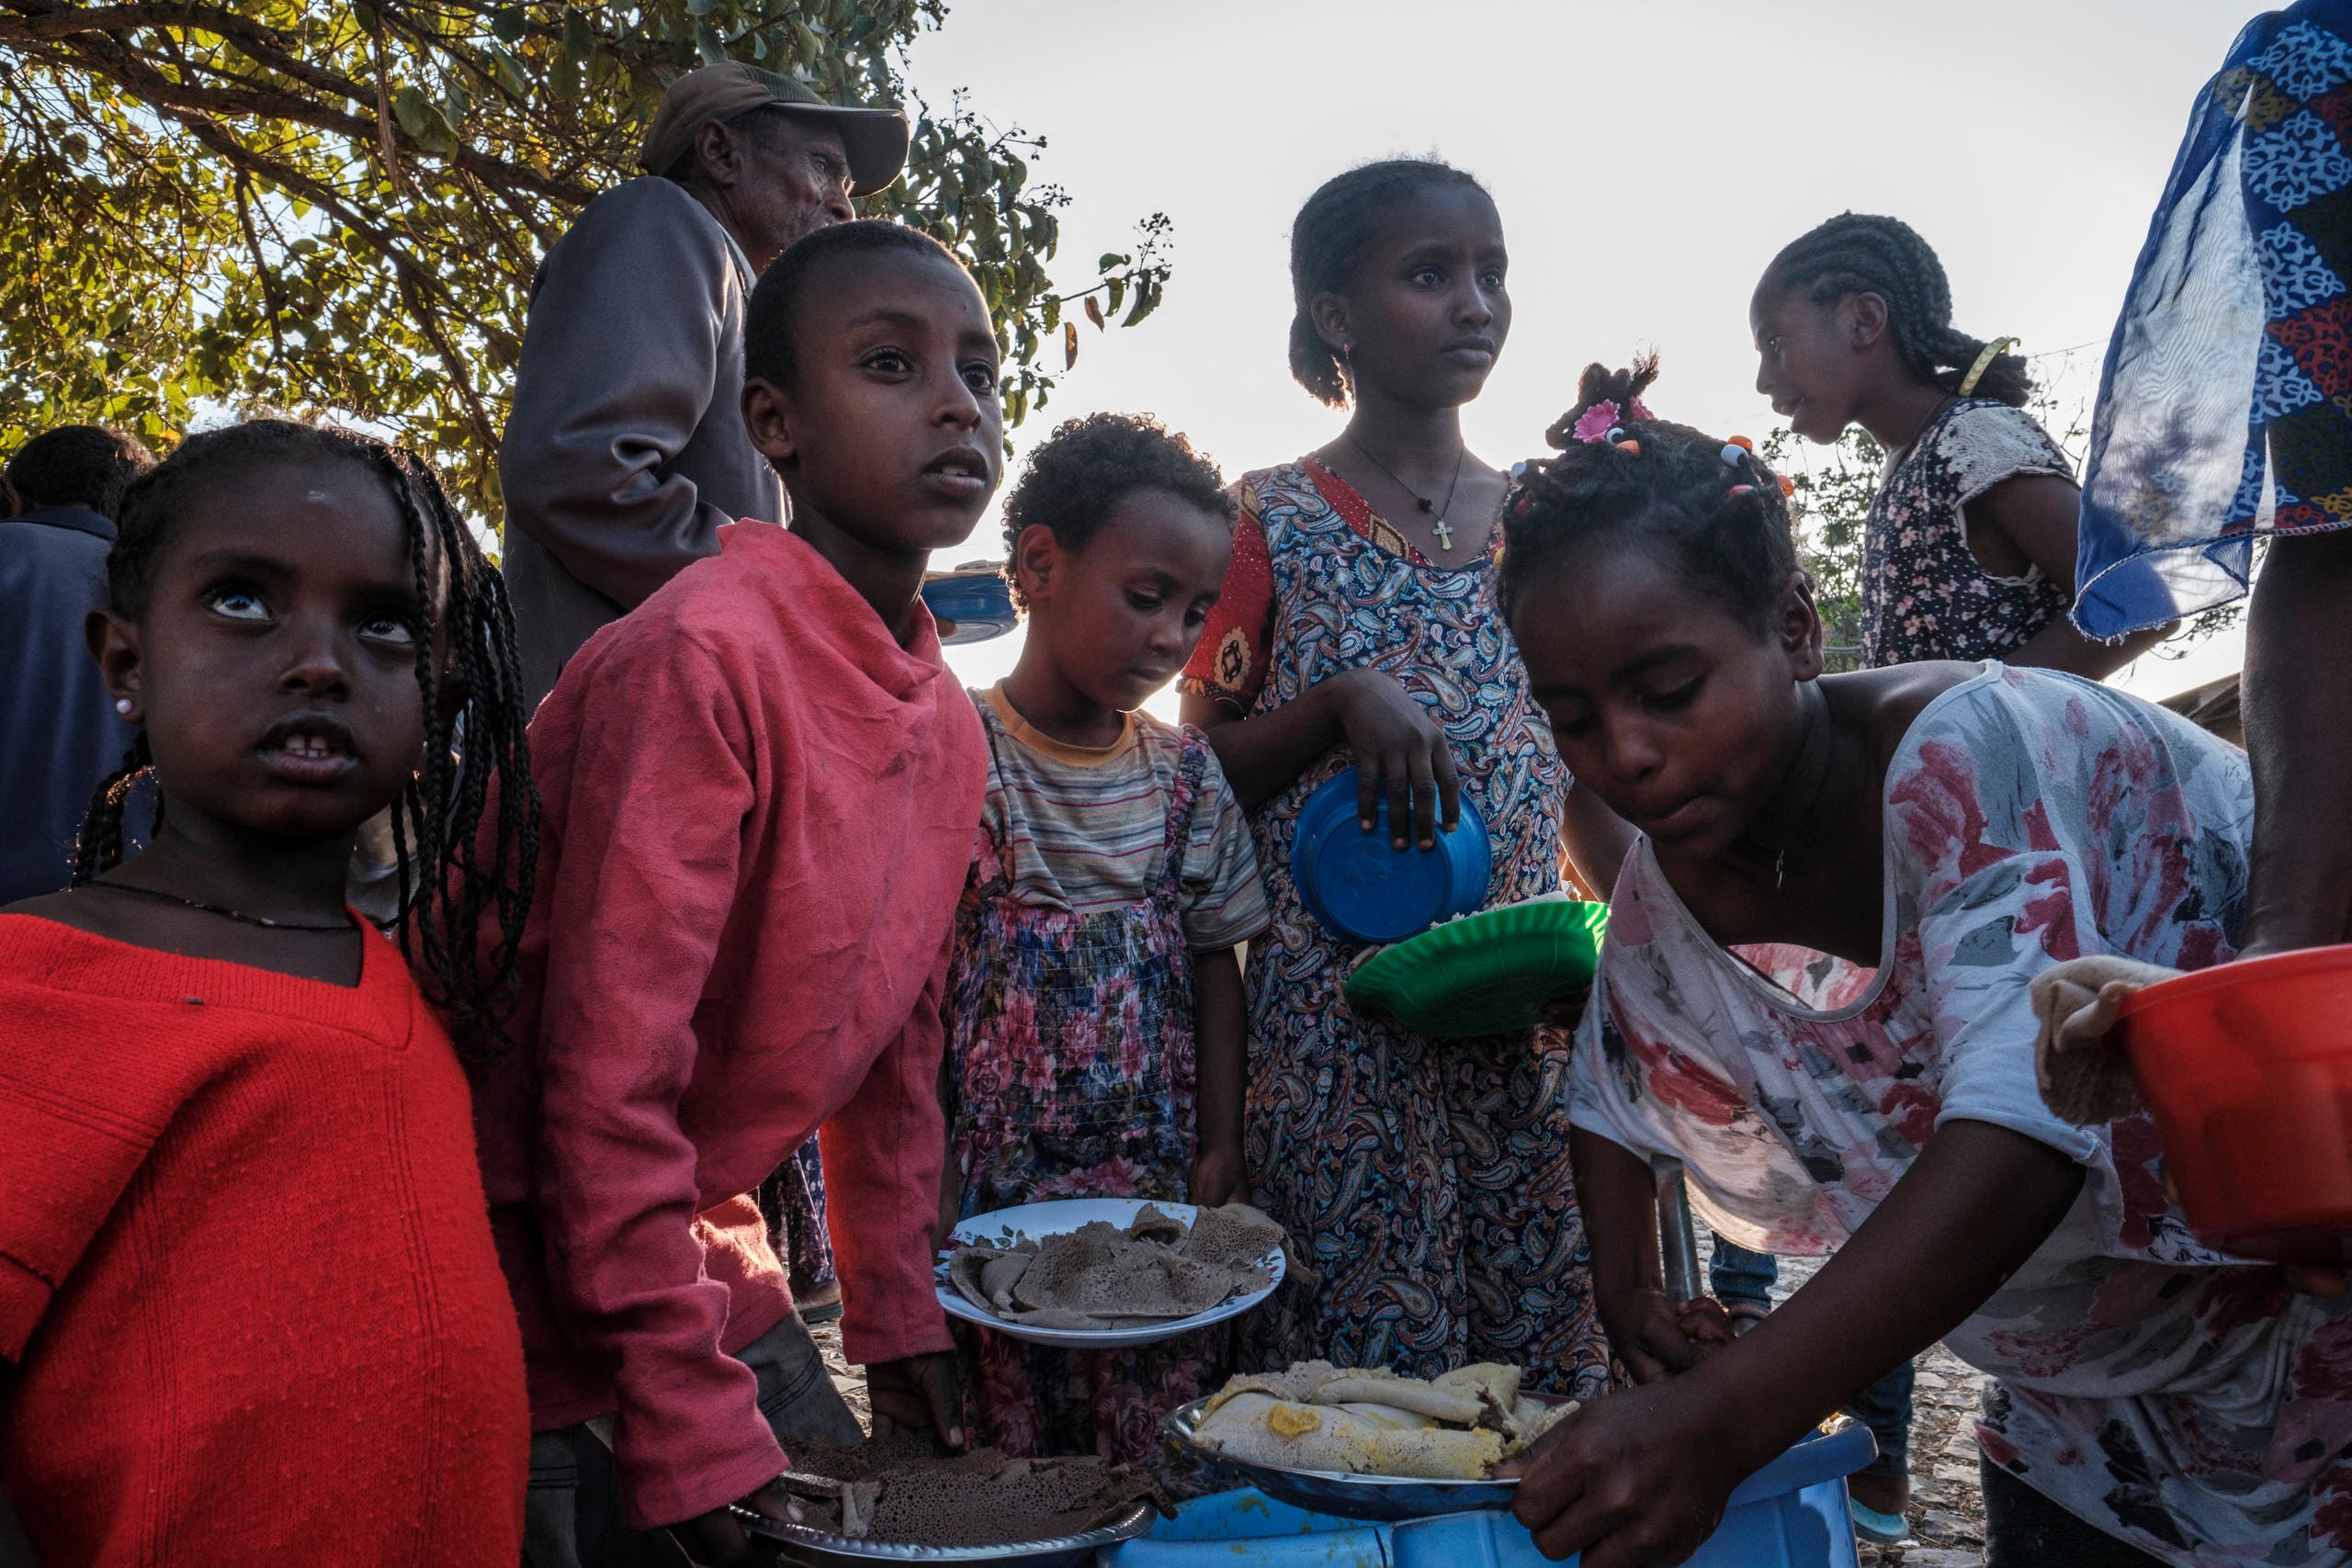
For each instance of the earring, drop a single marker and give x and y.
(122, 706)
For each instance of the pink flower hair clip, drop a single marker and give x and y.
(1599, 422)
(1595, 424)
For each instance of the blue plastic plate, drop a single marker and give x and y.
(1367, 890)
(970, 606)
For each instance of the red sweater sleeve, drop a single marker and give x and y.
(647, 878)
(883, 1151)
(79, 1110)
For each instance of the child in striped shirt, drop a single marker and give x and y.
(1094, 1005)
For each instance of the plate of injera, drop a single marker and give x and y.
(1119, 1271)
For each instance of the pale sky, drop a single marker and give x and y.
(1649, 158)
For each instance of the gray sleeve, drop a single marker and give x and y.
(620, 357)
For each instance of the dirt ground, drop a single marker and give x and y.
(1946, 1508)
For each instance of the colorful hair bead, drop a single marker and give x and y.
(1742, 442)
(1733, 454)
(1788, 485)
(1743, 489)
(1630, 445)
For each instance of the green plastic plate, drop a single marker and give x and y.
(1490, 973)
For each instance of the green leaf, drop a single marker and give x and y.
(579, 39)
(698, 7)
(506, 23)
(1147, 301)
(413, 110)
(709, 45)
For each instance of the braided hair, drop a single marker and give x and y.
(450, 879)
(1327, 243)
(1668, 487)
(1856, 253)
(1080, 474)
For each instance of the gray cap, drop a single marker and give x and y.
(875, 139)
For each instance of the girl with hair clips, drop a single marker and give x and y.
(1969, 552)
(247, 1275)
(1426, 1182)
(1814, 994)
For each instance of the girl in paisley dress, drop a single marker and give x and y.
(1815, 997)
(1424, 1182)
(1095, 1004)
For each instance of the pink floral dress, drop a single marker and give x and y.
(2182, 1401)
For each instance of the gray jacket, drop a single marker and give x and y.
(59, 735)
(627, 449)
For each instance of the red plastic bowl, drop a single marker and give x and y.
(2248, 1068)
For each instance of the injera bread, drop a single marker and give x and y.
(1314, 1416)
(981, 1498)
(1101, 1276)
(1236, 1235)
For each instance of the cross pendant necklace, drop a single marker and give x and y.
(1435, 511)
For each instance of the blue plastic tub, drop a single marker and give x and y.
(1791, 1514)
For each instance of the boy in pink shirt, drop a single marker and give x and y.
(760, 789)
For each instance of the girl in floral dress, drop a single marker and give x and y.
(1094, 1003)
(1815, 997)
(1425, 1182)
(1969, 552)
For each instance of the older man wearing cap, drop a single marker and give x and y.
(627, 449)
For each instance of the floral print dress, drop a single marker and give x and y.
(2183, 1402)
(1924, 594)
(1424, 1181)
(1071, 1064)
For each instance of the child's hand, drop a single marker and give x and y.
(1219, 1176)
(1636, 1478)
(1652, 1337)
(2084, 1077)
(718, 1539)
(1395, 743)
(917, 1394)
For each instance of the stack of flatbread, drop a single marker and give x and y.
(1318, 1417)
(899, 1491)
(1099, 1277)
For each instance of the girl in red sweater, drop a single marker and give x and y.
(249, 1306)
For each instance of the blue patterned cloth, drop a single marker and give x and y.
(2224, 411)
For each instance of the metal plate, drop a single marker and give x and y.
(801, 1544)
(1059, 1218)
(1388, 1499)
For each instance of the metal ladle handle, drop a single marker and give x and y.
(1676, 1239)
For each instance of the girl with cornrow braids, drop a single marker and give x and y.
(1815, 996)
(247, 1283)
(1425, 1180)
(1969, 551)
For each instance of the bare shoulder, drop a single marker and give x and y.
(1885, 704)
